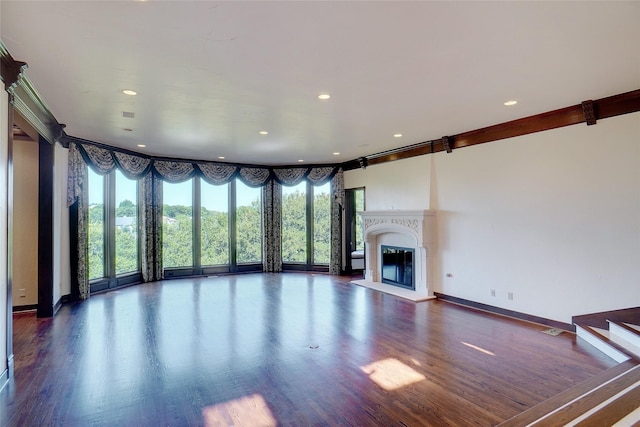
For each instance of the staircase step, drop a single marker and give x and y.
(540, 410)
(627, 315)
(625, 335)
(584, 404)
(613, 410)
(599, 339)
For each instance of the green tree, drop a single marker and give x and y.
(126, 208)
(249, 233)
(321, 228)
(215, 237)
(294, 227)
(177, 242)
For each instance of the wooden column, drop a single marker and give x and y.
(45, 229)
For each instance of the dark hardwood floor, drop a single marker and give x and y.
(288, 349)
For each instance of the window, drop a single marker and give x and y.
(248, 224)
(353, 228)
(114, 258)
(214, 224)
(358, 195)
(306, 226)
(322, 224)
(126, 232)
(177, 224)
(96, 225)
(211, 228)
(294, 223)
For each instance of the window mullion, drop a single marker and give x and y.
(110, 225)
(233, 239)
(310, 222)
(197, 235)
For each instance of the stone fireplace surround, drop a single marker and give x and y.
(410, 229)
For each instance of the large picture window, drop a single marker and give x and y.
(248, 224)
(96, 225)
(214, 224)
(211, 228)
(114, 246)
(177, 224)
(306, 226)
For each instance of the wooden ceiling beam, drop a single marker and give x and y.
(587, 112)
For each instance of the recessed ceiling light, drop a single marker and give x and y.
(397, 135)
(221, 157)
(129, 92)
(142, 145)
(336, 153)
(324, 96)
(263, 132)
(509, 103)
(300, 161)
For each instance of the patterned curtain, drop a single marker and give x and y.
(337, 204)
(318, 176)
(133, 167)
(78, 192)
(290, 176)
(272, 227)
(217, 174)
(150, 202)
(174, 171)
(254, 177)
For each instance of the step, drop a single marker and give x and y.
(608, 393)
(625, 335)
(598, 338)
(537, 412)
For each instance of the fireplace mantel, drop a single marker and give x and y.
(412, 229)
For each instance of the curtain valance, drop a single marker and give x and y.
(103, 160)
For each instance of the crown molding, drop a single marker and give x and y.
(25, 98)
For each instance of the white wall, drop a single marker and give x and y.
(4, 131)
(400, 185)
(61, 268)
(25, 223)
(553, 217)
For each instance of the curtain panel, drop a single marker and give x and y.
(152, 172)
(272, 227)
(337, 206)
(78, 193)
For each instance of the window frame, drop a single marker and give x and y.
(309, 264)
(110, 279)
(197, 269)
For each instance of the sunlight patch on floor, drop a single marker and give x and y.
(480, 349)
(391, 374)
(250, 411)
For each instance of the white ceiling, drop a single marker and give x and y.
(211, 75)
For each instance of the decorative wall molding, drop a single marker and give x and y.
(25, 98)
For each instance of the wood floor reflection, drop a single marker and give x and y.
(290, 349)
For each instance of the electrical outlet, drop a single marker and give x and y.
(493, 292)
(22, 293)
(510, 296)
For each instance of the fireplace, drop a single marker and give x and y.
(397, 266)
(400, 253)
